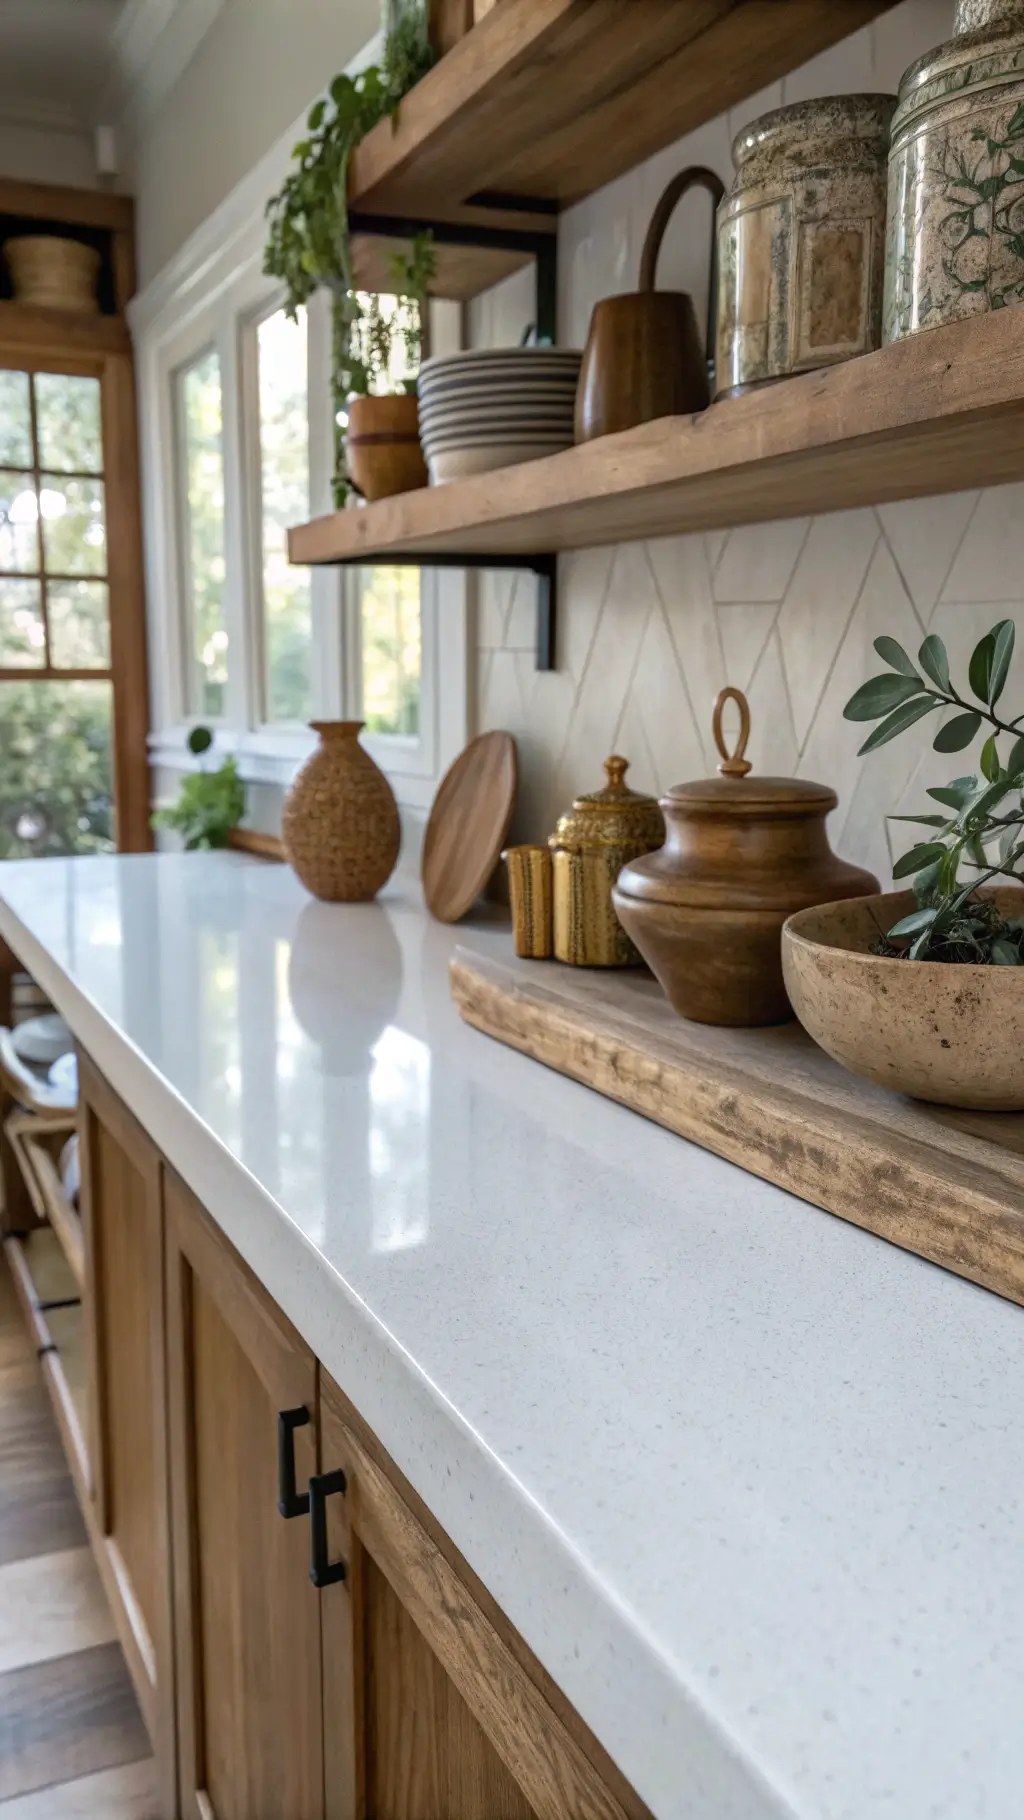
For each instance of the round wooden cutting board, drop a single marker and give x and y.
(468, 825)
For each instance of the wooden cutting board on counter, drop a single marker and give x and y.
(948, 1185)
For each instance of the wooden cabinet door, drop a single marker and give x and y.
(431, 1711)
(247, 1619)
(123, 1305)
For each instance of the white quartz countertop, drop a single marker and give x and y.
(747, 1479)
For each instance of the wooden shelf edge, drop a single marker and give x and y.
(935, 413)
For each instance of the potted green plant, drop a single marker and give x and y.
(924, 989)
(210, 803)
(379, 429)
(308, 242)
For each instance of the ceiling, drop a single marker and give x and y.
(55, 58)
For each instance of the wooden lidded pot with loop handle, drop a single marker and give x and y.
(742, 853)
(644, 358)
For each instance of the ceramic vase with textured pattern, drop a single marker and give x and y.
(801, 240)
(340, 822)
(955, 241)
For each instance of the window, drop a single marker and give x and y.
(391, 651)
(202, 488)
(287, 620)
(56, 789)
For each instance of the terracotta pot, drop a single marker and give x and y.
(742, 853)
(53, 273)
(382, 446)
(801, 240)
(340, 822)
(645, 356)
(956, 178)
(941, 1032)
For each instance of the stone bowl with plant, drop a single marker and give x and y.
(923, 990)
(309, 246)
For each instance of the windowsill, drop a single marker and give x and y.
(271, 756)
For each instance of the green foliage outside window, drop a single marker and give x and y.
(56, 789)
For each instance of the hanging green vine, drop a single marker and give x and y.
(307, 220)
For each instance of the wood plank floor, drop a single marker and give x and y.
(72, 1742)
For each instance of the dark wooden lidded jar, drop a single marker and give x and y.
(742, 853)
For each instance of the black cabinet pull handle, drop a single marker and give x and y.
(323, 1572)
(290, 1503)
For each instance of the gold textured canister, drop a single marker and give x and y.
(601, 833)
(529, 890)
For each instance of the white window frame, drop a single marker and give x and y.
(214, 294)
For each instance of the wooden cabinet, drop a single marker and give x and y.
(247, 1619)
(127, 1432)
(306, 1642)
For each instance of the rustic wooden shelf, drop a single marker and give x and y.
(544, 101)
(940, 411)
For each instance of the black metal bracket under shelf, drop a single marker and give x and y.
(544, 567)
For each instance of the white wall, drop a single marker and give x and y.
(41, 154)
(261, 63)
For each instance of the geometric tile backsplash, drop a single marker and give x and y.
(649, 632)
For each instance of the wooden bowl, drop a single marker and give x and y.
(950, 1034)
(382, 446)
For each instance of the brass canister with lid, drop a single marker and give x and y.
(600, 834)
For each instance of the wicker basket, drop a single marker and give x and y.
(54, 274)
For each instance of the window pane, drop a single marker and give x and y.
(284, 467)
(391, 645)
(56, 794)
(204, 533)
(78, 613)
(19, 523)
(15, 421)
(74, 526)
(68, 423)
(22, 636)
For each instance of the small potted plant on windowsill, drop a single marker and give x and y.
(308, 246)
(210, 803)
(923, 991)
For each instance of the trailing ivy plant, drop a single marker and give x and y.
(980, 833)
(307, 220)
(210, 803)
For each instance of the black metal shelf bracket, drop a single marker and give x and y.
(544, 566)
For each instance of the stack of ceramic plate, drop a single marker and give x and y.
(492, 407)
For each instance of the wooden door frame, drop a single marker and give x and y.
(100, 346)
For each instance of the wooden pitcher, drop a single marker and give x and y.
(643, 357)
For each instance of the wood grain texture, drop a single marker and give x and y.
(912, 419)
(67, 1718)
(51, 1605)
(469, 821)
(30, 334)
(63, 203)
(38, 1149)
(554, 98)
(38, 1507)
(125, 1793)
(247, 1618)
(946, 1185)
(128, 662)
(264, 846)
(498, 1706)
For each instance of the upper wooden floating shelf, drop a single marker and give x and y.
(938, 412)
(547, 100)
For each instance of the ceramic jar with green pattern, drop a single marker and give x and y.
(801, 240)
(955, 238)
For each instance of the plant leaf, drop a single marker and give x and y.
(923, 855)
(894, 655)
(1015, 762)
(957, 794)
(980, 668)
(958, 732)
(934, 661)
(898, 721)
(880, 695)
(1004, 634)
(920, 947)
(914, 923)
(1004, 953)
(927, 884)
(989, 760)
(922, 821)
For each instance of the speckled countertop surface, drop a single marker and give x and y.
(747, 1479)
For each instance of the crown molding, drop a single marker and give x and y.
(152, 44)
